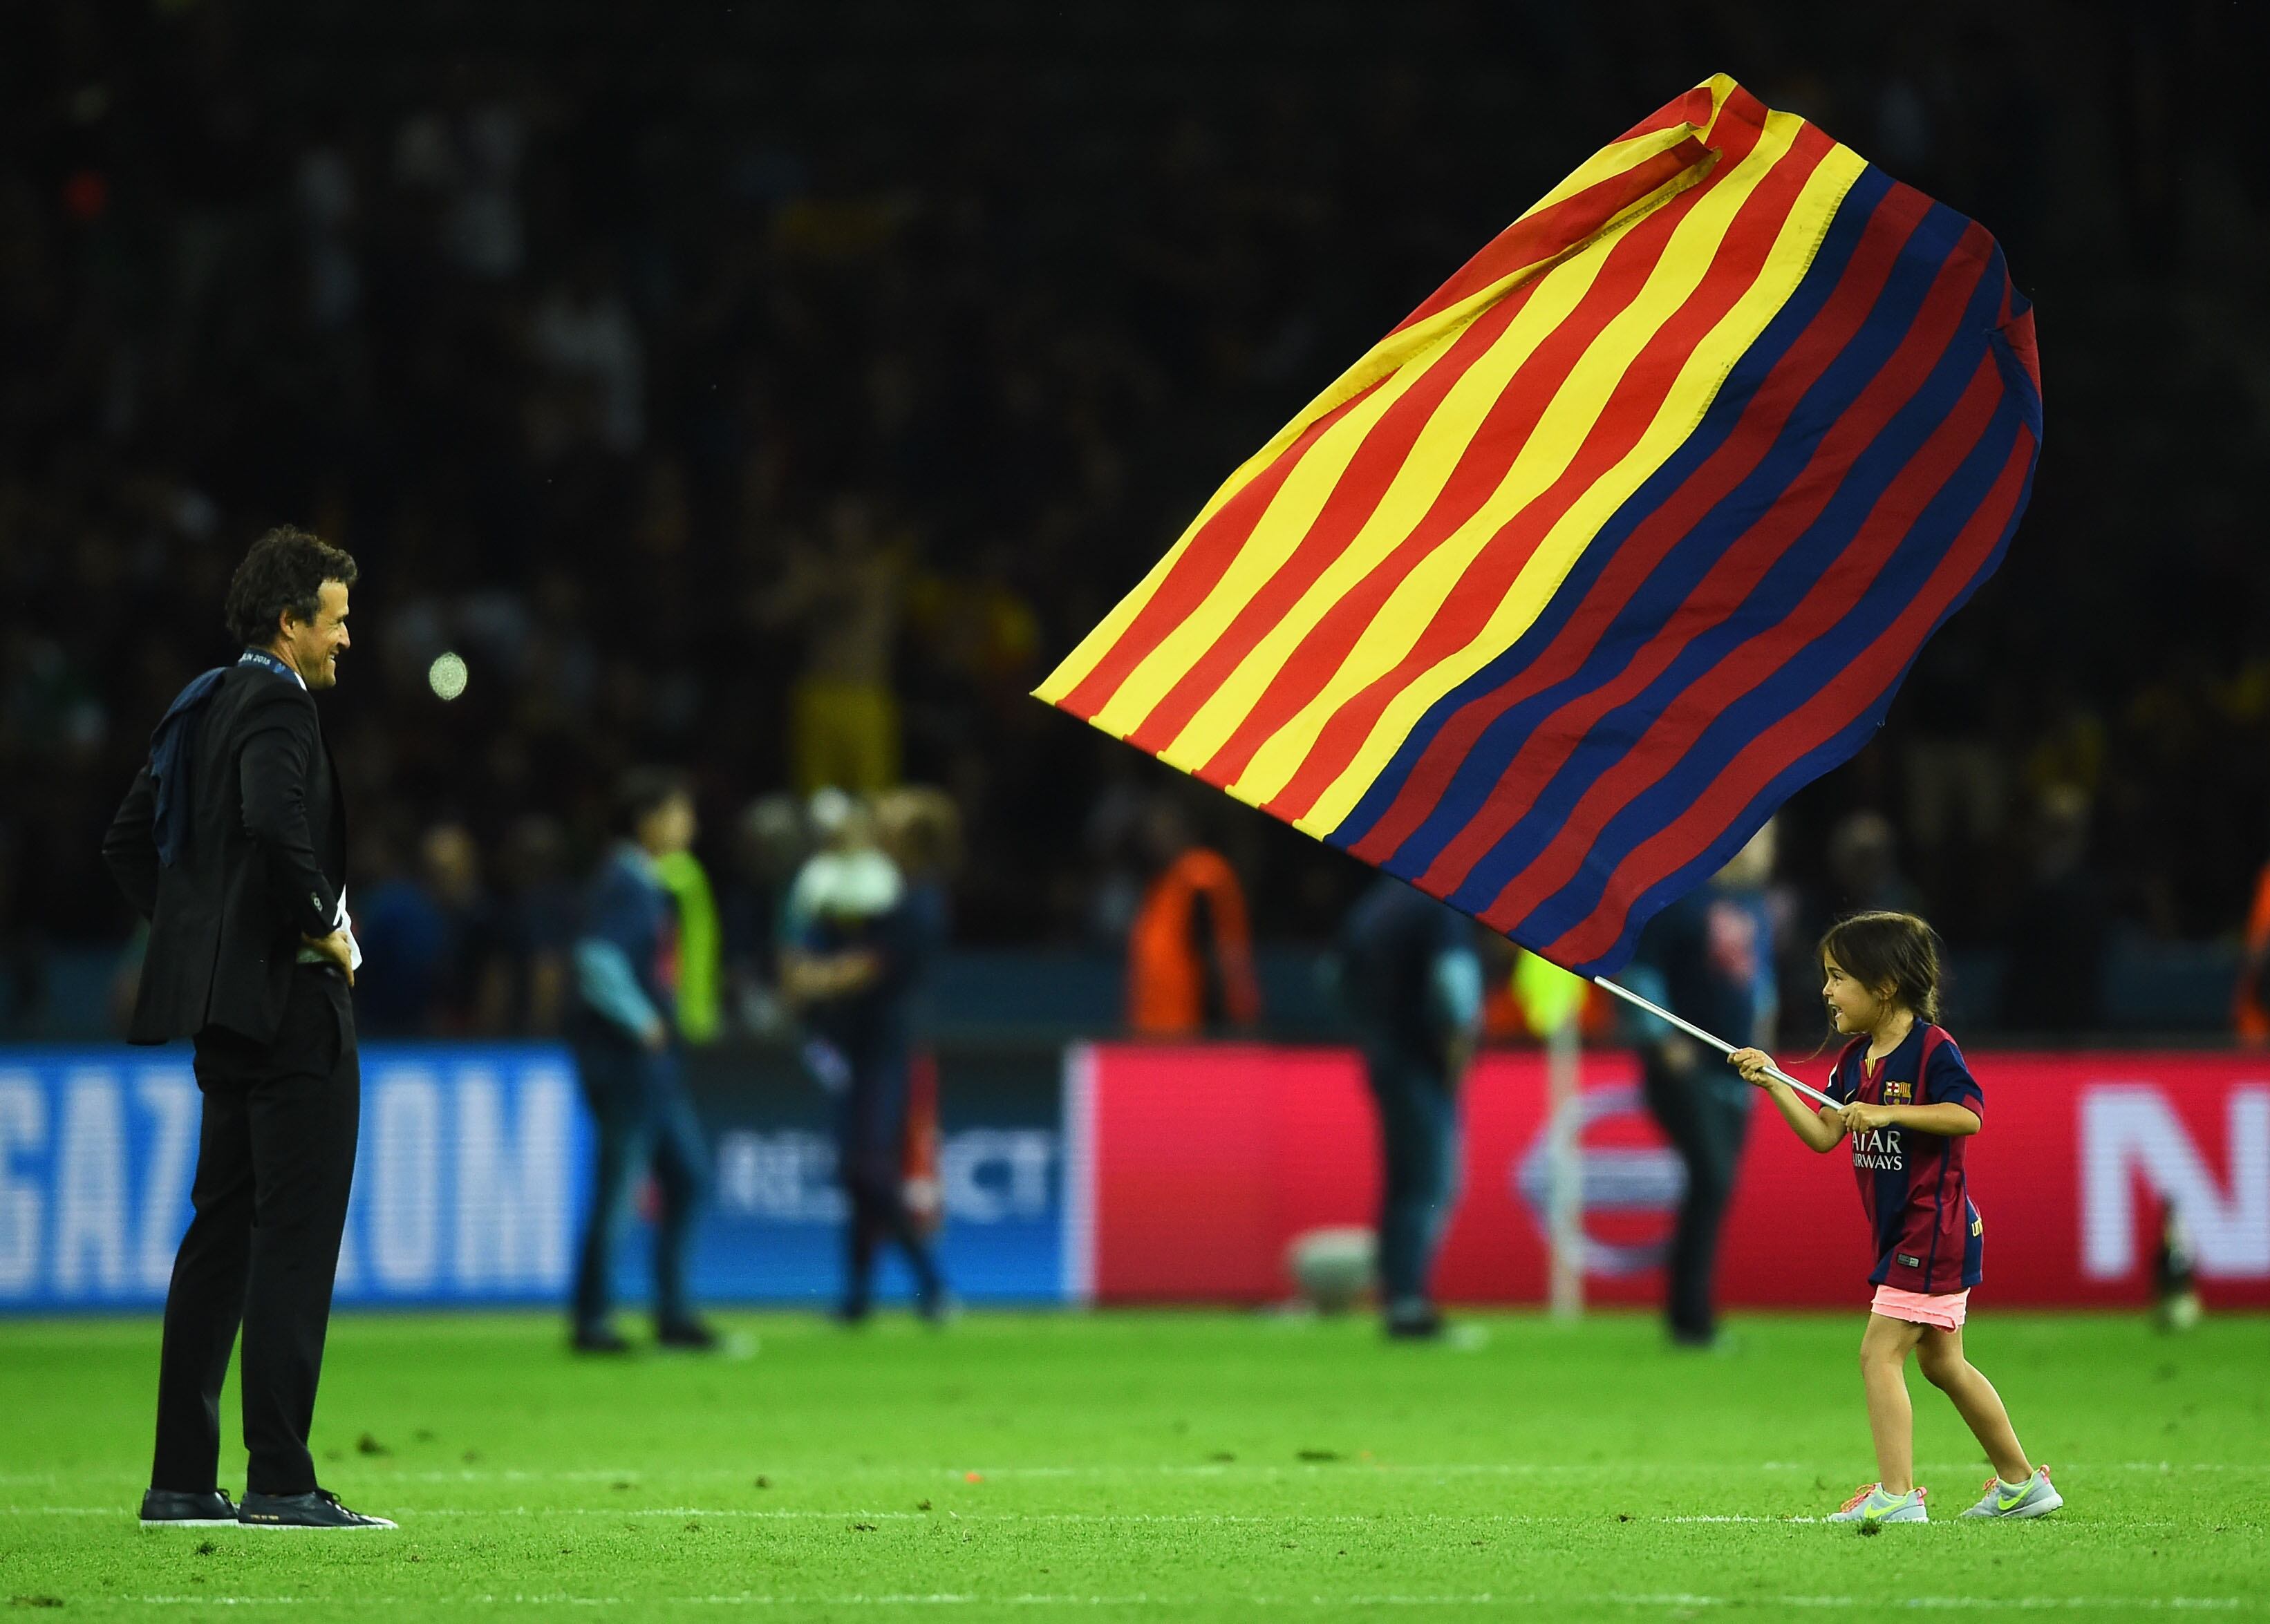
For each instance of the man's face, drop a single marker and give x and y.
(669, 828)
(313, 647)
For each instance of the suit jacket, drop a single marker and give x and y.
(264, 862)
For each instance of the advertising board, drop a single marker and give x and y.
(1124, 1173)
(1208, 1162)
(473, 1172)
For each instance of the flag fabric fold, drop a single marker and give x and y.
(1629, 530)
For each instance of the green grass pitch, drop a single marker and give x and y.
(1157, 1466)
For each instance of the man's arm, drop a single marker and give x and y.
(1454, 1005)
(604, 978)
(129, 851)
(272, 792)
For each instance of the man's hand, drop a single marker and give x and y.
(811, 978)
(336, 948)
(1679, 1056)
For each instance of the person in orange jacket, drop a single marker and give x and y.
(1189, 951)
(2250, 1003)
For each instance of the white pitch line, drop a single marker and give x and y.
(378, 1476)
(1144, 1599)
(1228, 1518)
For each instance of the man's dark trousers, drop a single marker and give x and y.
(638, 1102)
(275, 1160)
(1704, 1111)
(871, 1136)
(1419, 1135)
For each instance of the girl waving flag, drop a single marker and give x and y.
(1908, 1101)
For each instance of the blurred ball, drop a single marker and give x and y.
(1334, 1267)
(446, 676)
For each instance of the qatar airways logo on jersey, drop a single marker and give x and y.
(1877, 1148)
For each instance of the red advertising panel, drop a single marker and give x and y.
(1206, 1162)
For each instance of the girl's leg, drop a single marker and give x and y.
(1940, 1352)
(1884, 1349)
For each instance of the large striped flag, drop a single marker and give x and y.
(1629, 532)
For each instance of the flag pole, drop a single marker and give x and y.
(1718, 1043)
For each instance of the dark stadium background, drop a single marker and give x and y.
(1021, 283)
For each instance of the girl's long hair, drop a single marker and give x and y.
(1882, 950)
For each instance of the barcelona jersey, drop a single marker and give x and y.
(1927, 1235)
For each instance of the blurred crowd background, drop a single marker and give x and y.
(777, 390)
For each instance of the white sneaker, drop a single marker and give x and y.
(2034, 1498)
(1872, 1505)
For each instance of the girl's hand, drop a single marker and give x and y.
(1754, 1064)
(1857, 1116)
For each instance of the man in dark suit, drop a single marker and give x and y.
(233, 843)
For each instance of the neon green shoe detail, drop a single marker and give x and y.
(1872, 1505)
(2034, 1498)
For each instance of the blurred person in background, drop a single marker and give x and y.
(1708, 959)
(770, 843)
(700, 952)
(847, 595)
(439, 933)
(2251, 999)
(1411, 982)
(1864, 872)
(919, 828)
(537, 926)
(1189, 950)
(2054, 984)
(19, 964)
(468, 975)
(1864, 875)
(626, 1053)
(401, 925)
(858, 937)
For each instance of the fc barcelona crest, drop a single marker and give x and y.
(1898, 1094)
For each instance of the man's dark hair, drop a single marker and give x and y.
(641, 791)
(284, 571)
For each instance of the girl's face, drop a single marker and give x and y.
(1852, 1006)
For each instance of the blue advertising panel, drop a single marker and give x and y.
(470, 1175)
(473, 1171)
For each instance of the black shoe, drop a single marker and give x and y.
(689, 1334)
(173, 1508)
(320, 1508)
(938, 1307)
(598, 1339)
(1425, 1325)
(853, 1312)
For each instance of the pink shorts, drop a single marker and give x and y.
(1944, 1312)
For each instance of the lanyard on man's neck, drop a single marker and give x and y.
(261, 656)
